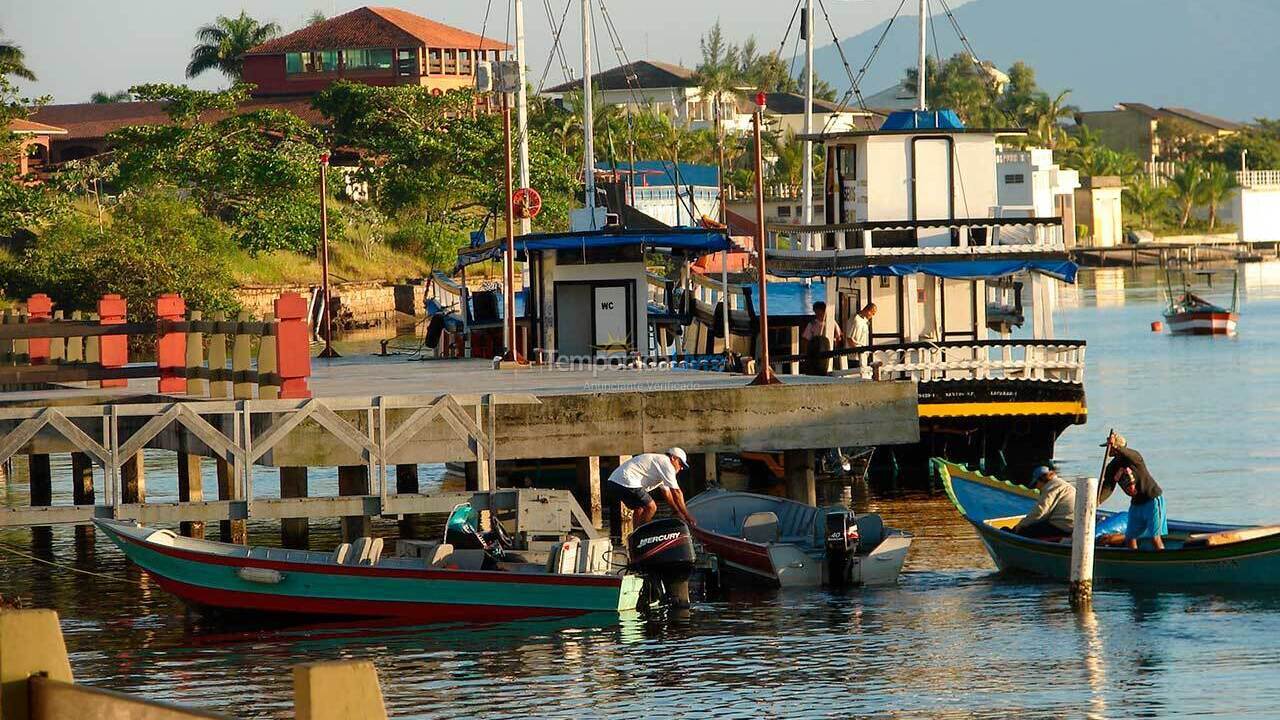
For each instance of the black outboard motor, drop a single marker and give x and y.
(842, 547)
(662, 553)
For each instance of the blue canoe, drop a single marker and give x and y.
(1196, 554)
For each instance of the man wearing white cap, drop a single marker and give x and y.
(634, 479)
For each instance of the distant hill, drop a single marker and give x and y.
(1215, 56)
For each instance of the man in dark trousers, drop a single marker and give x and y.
(1128, 471)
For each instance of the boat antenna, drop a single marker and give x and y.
(924, 50)
(806, 182)
(588, 117)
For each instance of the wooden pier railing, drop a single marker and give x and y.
(39, 346)
(36, 682)
(1047, 360)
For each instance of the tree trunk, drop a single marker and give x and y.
(1213, 214)
(1186, 213)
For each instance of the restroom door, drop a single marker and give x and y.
(612, 321)
(932, 194)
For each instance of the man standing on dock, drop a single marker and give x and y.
(634, 479)
(822, 335)
(858, 334)
(1147, 519)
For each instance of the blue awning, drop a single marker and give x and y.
(1064, 270)
(696, 240)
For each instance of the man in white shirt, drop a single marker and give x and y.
(634, 479)
(822, 335)
(860, 328)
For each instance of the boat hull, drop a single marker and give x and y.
(427, 595)
(1254, 562)
(1202, 323)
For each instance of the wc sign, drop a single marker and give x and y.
(606, 305)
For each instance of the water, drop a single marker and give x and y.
(953, 640)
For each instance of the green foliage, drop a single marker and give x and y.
(1147, 200)
(23, 204)
(1261, 140)
(221, 45)
(102, 97)
(435, 243)
(14, 62)
(1187, 189)
(155, 244)
(1215, 185)
(257, 171)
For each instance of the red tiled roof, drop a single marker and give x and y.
(375, 27)
(92, 121)
(28, 127)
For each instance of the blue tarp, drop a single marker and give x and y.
(694, 239)
(1064, 270)
(923, 120)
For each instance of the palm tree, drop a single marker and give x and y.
(1216, 183)
(316, 16)
(1186, 185)
(1047, 112)
(13, 61)
(223, 43)
(102, 97)
(1148, 200)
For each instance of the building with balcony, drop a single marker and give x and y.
(372, 45)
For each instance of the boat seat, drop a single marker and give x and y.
(365, 551)
(439, 555)
(340, 554)
(760, 527)
(465, 560)
(870, 530)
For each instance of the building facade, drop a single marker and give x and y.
(1136, 127)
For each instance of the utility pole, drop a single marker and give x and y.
(328, 351)
(588, 118)
(509, 355)
(924, 48)
(522, 110)
(806, 182)
(765, 376)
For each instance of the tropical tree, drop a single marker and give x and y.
(1145, 198)
(13, 61)
(103, 97)
(1187, 188)
(1215, 185)
(223, 43)
(719, 73)
(316, 16)
(1047, 113)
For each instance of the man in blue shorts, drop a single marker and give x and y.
(1127, 469)
(648, 473)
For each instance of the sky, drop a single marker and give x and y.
(76, 47)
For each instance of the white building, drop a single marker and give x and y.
(1030, 184)
(1254, 207)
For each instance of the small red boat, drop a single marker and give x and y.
(1187, 313)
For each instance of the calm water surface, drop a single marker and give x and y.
(953, 640)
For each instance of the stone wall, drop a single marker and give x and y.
(359, 304)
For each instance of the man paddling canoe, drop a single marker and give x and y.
(1127, 469)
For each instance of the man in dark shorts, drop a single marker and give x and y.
(634, 479)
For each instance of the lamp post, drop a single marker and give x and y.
(765, 376)
(328, 351)
(509, 355)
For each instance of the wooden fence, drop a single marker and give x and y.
(41, 346)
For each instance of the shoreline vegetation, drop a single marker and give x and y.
(221, 195)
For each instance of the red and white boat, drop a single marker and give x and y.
(775, 541)
(1187, 313)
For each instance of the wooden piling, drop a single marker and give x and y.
(133, 480)
(218, 385)
(40, 480)
(241, 356)
(588, 488)
(268, 368)
(294, 532)
(354, 480)
(801, 484)
(58, 346)
(190, 489)
(230, 531)
(82, 490)
(75, 346)
(1082, 540)
(196, 386)
(407, 483)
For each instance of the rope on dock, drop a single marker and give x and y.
(14, 551)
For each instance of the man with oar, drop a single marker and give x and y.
(1127, 469)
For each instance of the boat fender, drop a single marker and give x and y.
(262, 576)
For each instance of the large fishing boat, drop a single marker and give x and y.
(1196, 553)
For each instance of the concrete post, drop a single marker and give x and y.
(39, 310)
(337, 690)
(294, 532)
(75, 345)
(196, 386)
(171, 346)
(407, 483)
(801, 484)
(30, 644)
(354, 480)
(588, 488)
(133, 480)
(113, 350)
(1082, 542)
(241, 348)
(190, 489)
(82, 490)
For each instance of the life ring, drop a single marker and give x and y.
(436, 92)
(526, 203)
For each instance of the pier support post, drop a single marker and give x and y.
(588, 482)
(407, 483)
(1082, 542)
(113, 350)
(801, 484)
(171, 346)
(133, 480)
(337, 689)
(793, 367)
(190, 489)
(294, 532)
(40, 484)
(82, 491)
(354, 480)
(231, 531)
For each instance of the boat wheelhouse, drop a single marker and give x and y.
(965, 288)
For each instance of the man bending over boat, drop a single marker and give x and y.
(634, 479)
(1147, 519)
(1054, 515)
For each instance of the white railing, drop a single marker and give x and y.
(1044, 360)
(1258, 178)
(932, 237)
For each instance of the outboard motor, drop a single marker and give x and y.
(662, 553)
(842, 547)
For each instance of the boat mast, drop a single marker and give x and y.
(924, 48)
(522, 110)
(588, 117)
(806, 183)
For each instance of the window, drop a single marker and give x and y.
(784, 211)
(406, 63)
(326, 61)
(1017, 179)
(450, 62)
(464, 62)
(367, 59)
(435, 61)
(293, 63)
